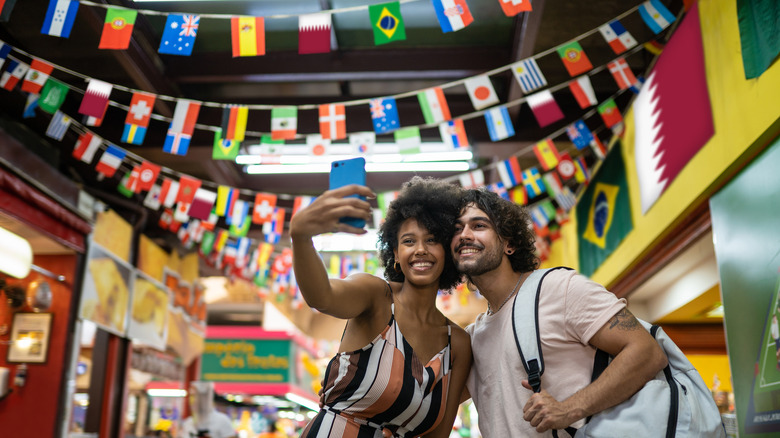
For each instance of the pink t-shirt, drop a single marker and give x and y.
(571, 310)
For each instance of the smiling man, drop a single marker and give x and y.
(493, 246)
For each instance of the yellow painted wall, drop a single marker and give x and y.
(746, 114)
(711, 365)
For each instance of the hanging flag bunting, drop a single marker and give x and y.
(207, 243)
(562, 194)
(598, 147)
(86, 146)
(499, 189)
(110, 161)
(583, 91)
(532, 181)
(52, 95)
(362, 142)
(248, 36)
(655, 15)
(118, 28)
(180, 212)
(547, 154)
(93, 121)
(15, 72)
(540, 217)
(5, 50)
(545, 108)
(609, 113)
(473, 179)
(481, 92)
(30, 105)
(58, 125)
(617, 37)
(284, 123)
(622, 73)
(265, 203)
(408, 140)
(314, 33)
(514, 7)
(528, 75)
(6, 7)
(234, 118)
(581, 172)
(318, 146)
(510, 172)
(301, 202)
(177, 141)
(453, 133)
(239, 214)
(202, 203)
(152, 199)
(333, 121)
(226, 198)
(579, 134)
(434, 105)
(60, 17)
(574, 58)
(518, 195)
(187, 187)
(273, 230)
(387, 22)
(636, 87)
(453, 15)
(138, 117)
(224, 149)
(147, 175)
(179, 35)
(95, 101)
(169, 192)
(384, 114)
(384, 199)
(654, 47)
(127, 186)
(36, 76)
(499, 123)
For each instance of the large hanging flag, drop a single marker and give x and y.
(622, 73)
(248, 36)
(544, 107)
(499, 123)
(52, 96)
(179, 35)
(95, 101)
(86, 147)
(532, 181)
(603, 214)
(617, 36)
(514, 7)
(110, 162)
(453, 15)
(263, 210)
(510, 172)
(473, 179)
(408, 140)
(187, 187)
(6, 7)
(582, 90)
(655, 15)
(453, 133)
(15, 72)
(60, 17)
(387, 22)
(177, 141)
(36, 76)
(528, 75)
(668, 132)
(579, 134)
(147, 175)
(5, 50)
(224, 149)
(318, 146)
(610, 113)
(384, 114)
(284, 123)
(234, 118)
(362, 143)
(333, 121)
(434, 105)
(118, 28)
(547, 154)
(481, 92)
(574, 58)
(138, 117)
(314, 33)
(58, 125)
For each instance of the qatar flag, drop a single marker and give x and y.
(672, 112)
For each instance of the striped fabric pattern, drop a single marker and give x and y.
(382, 387)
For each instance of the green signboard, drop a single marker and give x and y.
(247, 360)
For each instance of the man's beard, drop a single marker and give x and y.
(486, 261)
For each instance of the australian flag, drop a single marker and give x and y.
(179, 34)
(579, 134)
(384, 115)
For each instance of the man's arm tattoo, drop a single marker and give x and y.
(624, 320)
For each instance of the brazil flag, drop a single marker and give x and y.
(387, 22)
(603, 213)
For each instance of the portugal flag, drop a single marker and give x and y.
(117, 28)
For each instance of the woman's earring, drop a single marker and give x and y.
(397, 266)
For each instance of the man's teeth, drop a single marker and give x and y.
(468, 251)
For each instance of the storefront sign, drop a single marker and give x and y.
(250, 360)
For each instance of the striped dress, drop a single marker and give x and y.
(382, 390)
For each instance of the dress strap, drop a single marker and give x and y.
(449, 341)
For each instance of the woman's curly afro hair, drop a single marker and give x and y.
(435, 204)
(512, 223)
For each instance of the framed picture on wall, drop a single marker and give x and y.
(30, 337)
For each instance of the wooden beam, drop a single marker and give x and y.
(698, 338)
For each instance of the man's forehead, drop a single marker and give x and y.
(472, 212)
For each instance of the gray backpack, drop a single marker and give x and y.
(676, 403)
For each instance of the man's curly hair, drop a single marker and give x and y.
(512, 223)
(435, 204)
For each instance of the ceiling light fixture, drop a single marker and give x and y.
(305, 402)
(15, 254)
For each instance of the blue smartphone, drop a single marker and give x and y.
(346, 172)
